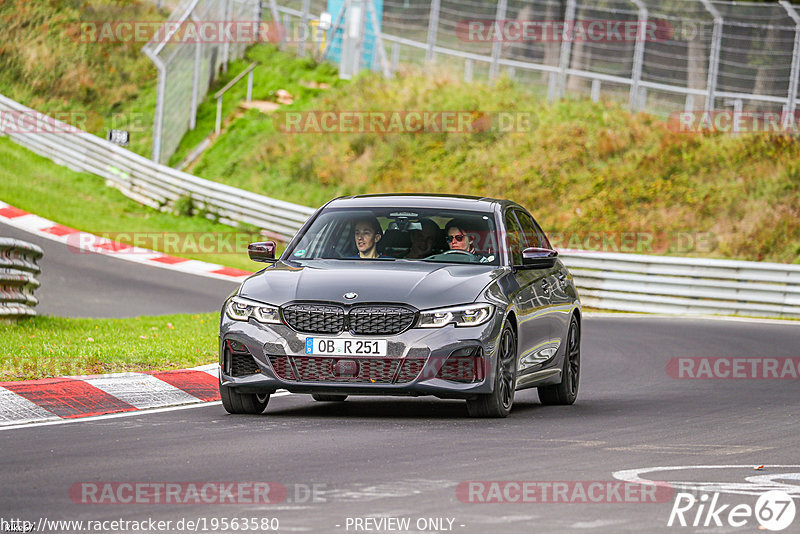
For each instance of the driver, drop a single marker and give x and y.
(367, 232)
(458, 237)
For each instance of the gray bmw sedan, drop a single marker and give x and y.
(452, 296)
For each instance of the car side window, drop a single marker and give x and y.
(534, 237)
(514, 238)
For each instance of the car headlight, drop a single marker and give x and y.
(241, 309)
(467, 315)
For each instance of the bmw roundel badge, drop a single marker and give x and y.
(350, 295)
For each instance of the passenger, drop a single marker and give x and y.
(367, 232)
(458, 236)
(424, 240)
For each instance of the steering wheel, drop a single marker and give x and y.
(457, 251)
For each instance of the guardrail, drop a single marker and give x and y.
(661, 284)
(18, 270)
(151, 183)
(626, 282)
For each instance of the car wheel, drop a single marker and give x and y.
(243, 403)
(324, 397)
(498, 403)
(567, 391)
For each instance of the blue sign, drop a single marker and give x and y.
(369, 52)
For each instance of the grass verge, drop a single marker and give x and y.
(84, 202)
(44, 347)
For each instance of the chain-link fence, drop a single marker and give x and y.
(680, 54)
(188, 63)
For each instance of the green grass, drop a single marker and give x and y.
(276, 70)
(43, 347)
(44, 65)
(83, 201)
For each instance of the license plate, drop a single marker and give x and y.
(346, 347)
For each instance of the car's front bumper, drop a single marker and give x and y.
(276, 348)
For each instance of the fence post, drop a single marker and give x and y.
(377, 28)
(198, 53)
(713, 58)
(468, 70)
(273, 8)
(433, 28)
(301, 45)
(218, 123)
(226, 45)
(497, 45)
(395, 57)
(285, 31)
(566, 47)
(737, 112)
(791, 98)
(161, 92)
(638, 55)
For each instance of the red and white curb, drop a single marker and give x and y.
(74, 397)
(83, 242)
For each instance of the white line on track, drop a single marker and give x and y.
(124, 414)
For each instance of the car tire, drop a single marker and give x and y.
(566, 392)
(243, 403)
(325, 397)
(498, 403)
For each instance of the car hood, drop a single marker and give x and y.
(419, 284)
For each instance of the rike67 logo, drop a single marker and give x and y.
(774, 510)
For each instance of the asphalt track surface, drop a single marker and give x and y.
(404, 458)
(95, 285)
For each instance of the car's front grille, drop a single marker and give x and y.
(462, 369)
(410, 369)
(367, 370)
(387, 320)
(361, 320)
(314, 318)
(243, 365)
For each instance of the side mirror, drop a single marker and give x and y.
(263, 251)
(539, 257)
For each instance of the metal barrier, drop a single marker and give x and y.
(685, 286)
(154, 184)
(187, 67)
(18, 270)
(702, 54)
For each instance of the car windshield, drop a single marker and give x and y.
(387, 234)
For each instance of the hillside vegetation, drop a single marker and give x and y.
(94, 85)
(592, 173)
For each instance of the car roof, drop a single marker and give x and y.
(419, 200)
